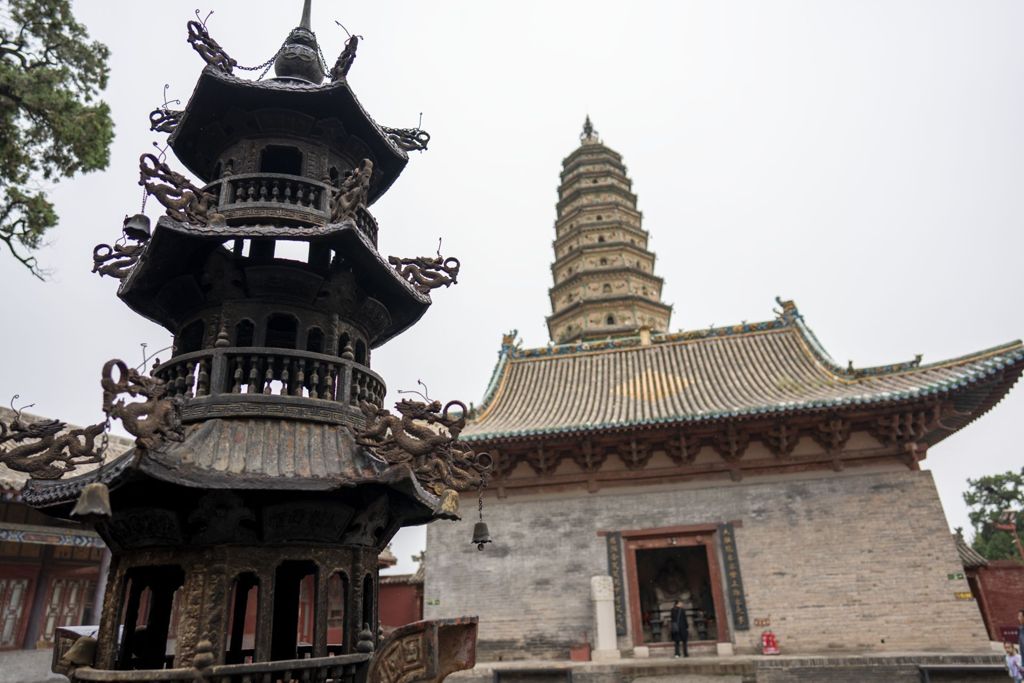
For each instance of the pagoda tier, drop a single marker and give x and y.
(603, 271)
(343, 284)
(230, 123)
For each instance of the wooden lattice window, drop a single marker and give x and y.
(66, 604)
(14, 604)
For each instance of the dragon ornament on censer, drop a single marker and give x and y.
(265, 467)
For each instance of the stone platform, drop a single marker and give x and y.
(882, 668)
(28, 666)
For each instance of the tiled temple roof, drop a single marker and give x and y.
(969, 557)
(744, 371)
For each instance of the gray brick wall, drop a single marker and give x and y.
(840, 562)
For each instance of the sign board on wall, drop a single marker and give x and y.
(614, 541)
(733, 579)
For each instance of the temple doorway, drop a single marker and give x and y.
(668, 565)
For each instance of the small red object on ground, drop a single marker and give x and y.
(580, 652)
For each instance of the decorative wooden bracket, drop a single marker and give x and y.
(542, 462)
(731, 443)
(684, 451)
(905, 427)
(781, 439)
(588, 458)
(638, 455)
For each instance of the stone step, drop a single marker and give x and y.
(691, 678)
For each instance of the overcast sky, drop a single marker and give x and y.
(865, 159)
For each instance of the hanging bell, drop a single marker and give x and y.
(136, 227)
(93, 504)
(481, 536)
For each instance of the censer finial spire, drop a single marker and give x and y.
(299, 57)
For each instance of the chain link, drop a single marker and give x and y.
(264, 64)
(267, 64)
(323, 60)
(105, 439)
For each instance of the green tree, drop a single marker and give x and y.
(989, 499)
(51, 122)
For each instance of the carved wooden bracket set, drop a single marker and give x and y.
(903, 430)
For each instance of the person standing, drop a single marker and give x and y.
(1013, 663)
(1020, 632)
(1020, 629)
(680, 629)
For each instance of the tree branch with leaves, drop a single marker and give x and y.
(52, 125)
(996, 503)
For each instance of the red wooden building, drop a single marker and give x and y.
(998, 588)
(49, 568)
(401, 599)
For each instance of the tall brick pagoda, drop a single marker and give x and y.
(738, 469)
(266, 478)
(605, 284)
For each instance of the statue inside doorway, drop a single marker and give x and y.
(671, 584)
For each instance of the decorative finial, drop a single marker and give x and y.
(299, 57)
(588, 134)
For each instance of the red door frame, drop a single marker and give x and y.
(674, 537)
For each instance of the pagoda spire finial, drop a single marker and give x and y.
(306, 22)
(588, 134)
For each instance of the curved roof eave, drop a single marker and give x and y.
(133, 290)
(987, 363)
(176, 466)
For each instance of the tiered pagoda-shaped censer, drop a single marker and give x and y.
(246, 524)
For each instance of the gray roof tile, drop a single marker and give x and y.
(746, 370)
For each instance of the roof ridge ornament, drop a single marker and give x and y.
(589, 133)
(348, 55)
(184, 202)
(789, 312)
(426, 272)
(208, 48)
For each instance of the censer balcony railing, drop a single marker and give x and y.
(340, 669)
(279, 195)
(367, 224)
(245, 372)
(271, 195)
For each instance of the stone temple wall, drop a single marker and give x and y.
(856, 561)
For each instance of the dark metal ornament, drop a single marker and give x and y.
(481, 535)
(272, 349)
(137, 227)
(93, 503)
(47, 449)
(365, 640)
